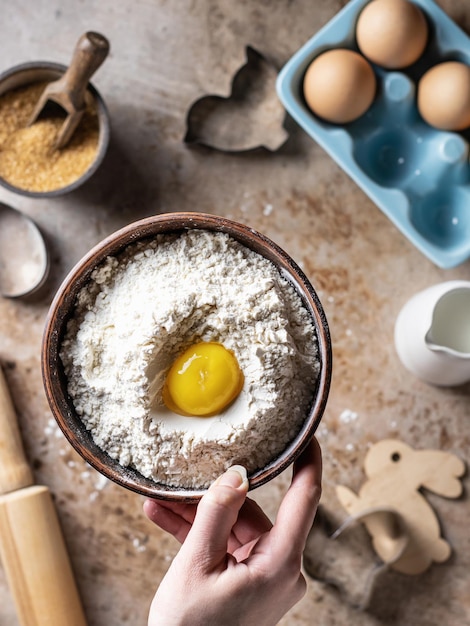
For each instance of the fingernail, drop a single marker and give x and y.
(235, 477)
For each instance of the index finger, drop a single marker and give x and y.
(299, 506)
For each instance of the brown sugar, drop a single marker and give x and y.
(28, 158)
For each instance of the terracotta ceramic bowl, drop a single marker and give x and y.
(43, 71)
(62, 310)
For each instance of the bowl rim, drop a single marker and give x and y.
(104, 129)
(61, 310)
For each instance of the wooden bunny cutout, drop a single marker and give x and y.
(404, 528)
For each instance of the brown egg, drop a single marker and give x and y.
(444, 96)
(392, 33)
(339, 86)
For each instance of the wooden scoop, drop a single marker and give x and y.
(32, 547)
(69, 91)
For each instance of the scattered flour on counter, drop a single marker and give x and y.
(140, 543)
(140, 310)
(348, 416)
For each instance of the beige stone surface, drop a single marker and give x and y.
(164, 56)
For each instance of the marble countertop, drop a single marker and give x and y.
(164, 56)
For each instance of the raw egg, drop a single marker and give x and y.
(339, 86)
(392, 33)
(203, 381)
(444, 96)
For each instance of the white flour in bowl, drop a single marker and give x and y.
(141, 309)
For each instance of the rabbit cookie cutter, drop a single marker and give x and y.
(404, 528)
(249, 118)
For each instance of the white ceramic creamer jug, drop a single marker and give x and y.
(432, 334)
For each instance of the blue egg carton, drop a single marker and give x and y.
(417, 175)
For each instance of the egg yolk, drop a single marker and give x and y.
(203, 380)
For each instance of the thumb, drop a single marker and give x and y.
(217, 512)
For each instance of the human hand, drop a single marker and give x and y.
(235, 567)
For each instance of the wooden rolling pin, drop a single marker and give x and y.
(32, 547)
